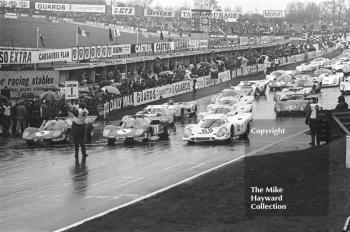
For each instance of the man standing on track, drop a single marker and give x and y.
(79, 130)
(311, 119)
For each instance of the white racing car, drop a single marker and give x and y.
(275, 74)
(345, 85)
(157, 112)
(238, 94)
(257, 87)
(331, 80)
(231, 102)
(321, 62)
(303, 68)
(182, 109)
(218, 127)
(227, 110)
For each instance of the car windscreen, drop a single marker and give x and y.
(278, 73)
(209, 123)
(294, 97)
(152, 110)
(134, 123)
(305, 83)
(226, 102)
(222, 110)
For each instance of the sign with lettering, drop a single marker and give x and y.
(182, 87)
(165, 46)
(23, 81)
(159, 13)
(52, 6)
(142, 48)
(72, 90)
(123, 10)
(18, 57)
(146, 96)
(273, 14)
(55, 55)
(15, 4)
(120, 103)
(123, 49)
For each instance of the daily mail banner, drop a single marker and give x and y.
(165, 46)
(159, 13)
(120, 103)
(22, 81)
(123, 10)
(15, 4)
(146, 96)
(70, 7)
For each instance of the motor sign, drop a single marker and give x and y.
(72, 90)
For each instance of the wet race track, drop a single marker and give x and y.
(42, 189)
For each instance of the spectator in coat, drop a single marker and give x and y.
(342, 105)
(21, 112)
(6, 92)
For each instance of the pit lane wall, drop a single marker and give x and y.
(148, 96)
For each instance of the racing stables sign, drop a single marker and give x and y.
(120, 103)
(146, 96)
(23, 81)
(123, 10)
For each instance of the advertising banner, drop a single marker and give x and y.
(109, 51)
(15, 4)
(195, 44)
(87, 8)
(224, 76)
(181, 45)
(146, 96)
(104, 52)
(231, 16)
(55, 55)
(159, 13)
(86, 53)
(75, 52)
(187, 14)
(22, 81)
(165, 46)
(123, 10)
(123, 49)
(98, 52)
(52, 6)
(203, 82)
(273, 14)
(142, 48)
(93, 52)
(81, 53)
(166, 91)
(243, 41)
(182, 87)
(120, 103)
(18, 56)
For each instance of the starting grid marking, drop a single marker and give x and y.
(175, 184)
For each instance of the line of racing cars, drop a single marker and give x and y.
(228, 115)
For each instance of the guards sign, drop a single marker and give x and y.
(72, 90)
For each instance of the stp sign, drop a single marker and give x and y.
(72, 90)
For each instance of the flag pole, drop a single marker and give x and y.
(137, 34)
(76, 35)
(37, 37)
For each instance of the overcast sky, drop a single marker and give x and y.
(247, 5)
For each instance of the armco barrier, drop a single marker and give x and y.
(154, 94)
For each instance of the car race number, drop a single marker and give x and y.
(42, 133)
(292, 107)
(72, 90)
(123, 131)
(207, 131)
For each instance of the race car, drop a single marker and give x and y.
(308, 85)
(290, 103)
(238, 94)
(55, 131)
(275, 74)
(321, 62)
(340, 64)
(331, 80)
(136, 128)
(160, 112)
(281, 82)
(231, 102)
(258, 87)
(218, 127)
(303, 68)
(345, 85)
(182, 109)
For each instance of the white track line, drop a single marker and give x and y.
(174, 185)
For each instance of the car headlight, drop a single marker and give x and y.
(277, 108)
(25, 134)
(106, 132)
(187, 132)
(139, 132)
(221, 132)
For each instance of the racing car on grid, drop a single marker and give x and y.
(305, 68)
(281, 82)
(182, 109)
(55, 131)
(238, 94)
(345, 85)
(136, 128)
(218, 127)
(275, 74)
(257, 87)
(291, 103)
(331, 80)
(226, 110)
(231, 102)
(308, 85)
(159, 112)
(321, 62)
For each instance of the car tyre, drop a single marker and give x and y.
(245, 135)
(30, 142)
(111, 141)
(165, 134)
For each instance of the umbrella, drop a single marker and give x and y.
(3, 98)
(111, 89)
(84, 90)
(49, 96)
(206, 64)
(165, 73)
